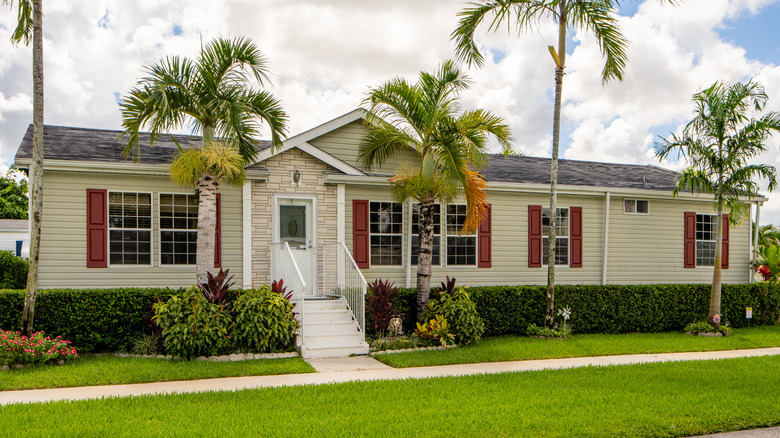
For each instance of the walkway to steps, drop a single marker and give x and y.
(358, 368)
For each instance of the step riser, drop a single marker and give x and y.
(334, 352)
(323, 305)
(327, 317)
(333, 341)
(329, 329)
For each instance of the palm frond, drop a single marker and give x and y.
(24, 21)
(599, 18)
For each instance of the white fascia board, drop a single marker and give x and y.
(318, 131)
(329, 159)
(99, 166)
(383, 180)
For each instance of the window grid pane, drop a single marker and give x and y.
(706, 235)
(129, 224)
(436, 251)
(386, 233)
(178, 229)
(461, 249)
(561, 236)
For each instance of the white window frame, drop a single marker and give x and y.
(441, 235)
(696, 240)
(635, 201)
(150, 229)
(446, 245)
(160, 230)
(371, 234)
(568, 239)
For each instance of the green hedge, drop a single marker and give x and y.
(13, 271)
(94, 320)
(612, 308)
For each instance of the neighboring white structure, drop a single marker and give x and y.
(13, 231)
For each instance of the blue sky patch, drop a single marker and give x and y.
(757, 34)
(177, 30)
(117, 97)
(103, 22)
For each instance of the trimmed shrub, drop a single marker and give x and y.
(263, 321)
(613, 308)
(460, 314)
(13, 271)
(193, 326)
(94, 320)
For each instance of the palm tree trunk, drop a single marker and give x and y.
(550, 314)
(207, 221)
(716, 272)
(424, 254)
(36, 171)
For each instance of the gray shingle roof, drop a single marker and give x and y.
(536, 170)
(100, 145)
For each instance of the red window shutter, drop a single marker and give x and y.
(690, 239)
(575, 237)
(97, 228)
(534, 236)
(218, 234)
(360, 239)
(484, 245)
(724, 261)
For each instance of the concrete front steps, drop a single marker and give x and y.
(329, 330)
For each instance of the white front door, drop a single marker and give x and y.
(294, 224)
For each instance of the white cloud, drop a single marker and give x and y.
(325, 54)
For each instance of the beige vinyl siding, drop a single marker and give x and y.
(509, 241)
(642, 248)
(649, 248)
(63, 240)
(344, 144)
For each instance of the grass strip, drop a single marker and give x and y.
(649, 400)
(113, 370)
(508, 348)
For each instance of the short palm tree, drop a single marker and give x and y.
(596, 16)
(30, 25)
(718, 144)
(214, 94)
(425, 118)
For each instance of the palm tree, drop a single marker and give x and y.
(425, 118)
(596, 16)
(718, 145)
(214, 94)
(30, 24)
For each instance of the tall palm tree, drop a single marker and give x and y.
(596, 16)
(30, 24)
(214, 93)
(718, 145)
(425, 118)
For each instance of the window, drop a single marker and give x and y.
(461, 249)
(130, 228)
(178, 229)
(561, 236)
(436, 254)
(386, 233)
(706, 233)
(636, 206)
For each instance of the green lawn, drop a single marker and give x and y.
(650, 400)
(508, 348)
(113, 370)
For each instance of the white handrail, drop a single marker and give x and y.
(281, 269)
(342, 278)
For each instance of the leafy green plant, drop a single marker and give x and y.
(394, 343)
(561, 332)
(192, 326)
(704, 327)
(13, 271)
(215, 289)
(768, 262)
(436, 329)
(147, 344)
(263, 321)
(461, 314)
(380, 304)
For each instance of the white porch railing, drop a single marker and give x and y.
(285, 267)
(342, 278)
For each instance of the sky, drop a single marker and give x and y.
(325, 54)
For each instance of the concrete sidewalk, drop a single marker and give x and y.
(360, 368)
